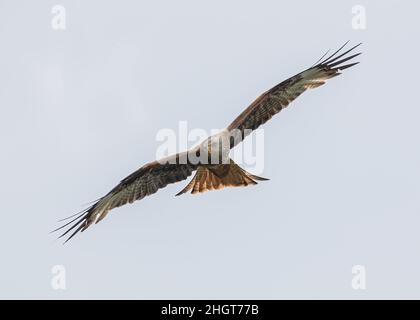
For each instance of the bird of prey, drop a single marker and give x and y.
(214, 169)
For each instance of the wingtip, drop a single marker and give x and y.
(348, 65)
(333, 58)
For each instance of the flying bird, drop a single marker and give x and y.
(210, 160)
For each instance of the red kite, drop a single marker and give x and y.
(212, 174)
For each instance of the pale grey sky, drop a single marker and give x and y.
(81, 109)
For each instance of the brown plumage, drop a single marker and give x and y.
(211, 176)
(280, 96)
(215, 177)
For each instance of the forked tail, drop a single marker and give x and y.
(220, 176)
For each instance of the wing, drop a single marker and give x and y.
(277, 98)
(141, 183)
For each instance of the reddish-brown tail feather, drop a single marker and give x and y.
(218, 177)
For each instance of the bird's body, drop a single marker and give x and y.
(210, 160)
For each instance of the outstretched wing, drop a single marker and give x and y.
(141, 183)
(277, 98)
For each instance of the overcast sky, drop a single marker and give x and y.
(81, 108)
